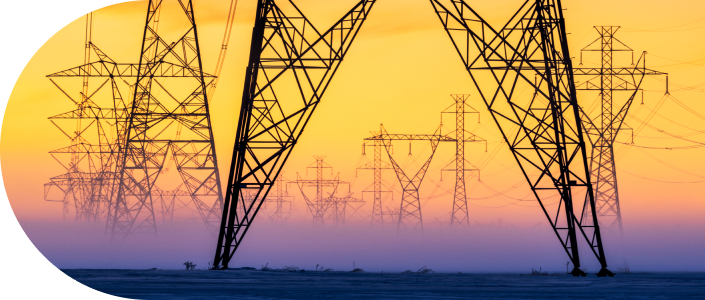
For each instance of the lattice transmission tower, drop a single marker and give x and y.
(290, 67)
(410, 217)
(603, 127)
(167, 201)
(543, 130)
(459, 215)
(169, 119)
(341, 206)
(377, 165)
(326, 190)
(280, 200)
(93, 128)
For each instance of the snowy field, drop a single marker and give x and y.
(252, 284)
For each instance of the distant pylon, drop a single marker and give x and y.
(92, 126)
(278, 200)
(167, 200)
(410, 217)
(340, 207)
(167, 119)
(391, 215)
(459, 216)
(377, 166)
(323, 201)
(603, 128)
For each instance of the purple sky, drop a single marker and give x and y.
(488, 249)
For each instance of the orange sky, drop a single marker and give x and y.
(400, 72)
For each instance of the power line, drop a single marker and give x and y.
(670, 166)
(662, 181)
(666, 28)
(663, 148)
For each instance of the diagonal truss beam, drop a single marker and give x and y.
(291, 65)
(167, 120)
(543, 130)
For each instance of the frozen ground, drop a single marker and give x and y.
(250, 284)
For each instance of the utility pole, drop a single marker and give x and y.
(291, 65)
(531, 51)
(602, 128)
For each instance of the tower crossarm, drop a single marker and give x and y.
(616, 71)
(411, 137)
(309, 183)
(622, 79)
(85, 148)
(92, 112)
(112, 69)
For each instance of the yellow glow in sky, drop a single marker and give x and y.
(400, 71)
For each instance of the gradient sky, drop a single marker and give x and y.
(400, 72)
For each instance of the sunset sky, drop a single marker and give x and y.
(400, 71)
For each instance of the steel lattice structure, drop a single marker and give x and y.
(93, 128)
(167, 201)
(281, 196)
(94, 187)
(410, 217)
(377, 166)
(290, 67)
(544, 132)
(340, 207)
(603, 128)
(321, 203)
(167, 119)
(459, 213)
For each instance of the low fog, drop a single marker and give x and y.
(496, 247)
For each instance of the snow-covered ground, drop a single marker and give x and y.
(253, 284)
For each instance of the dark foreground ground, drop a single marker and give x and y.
(250, 284)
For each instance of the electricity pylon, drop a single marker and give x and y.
(377, 166)
(392, 215)
(291, 65)
(167, 200)
(602, 128)
(322, 202)
(167, 119)
(281, 196)
(410, 218)
(544, 131)
(459, 215)
(340, 207)
(102, 123)
(92, 127)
